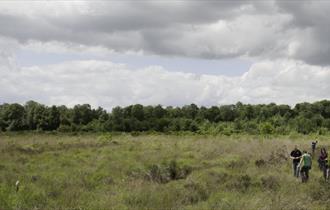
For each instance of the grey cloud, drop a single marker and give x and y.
(210, 30)
(120, 26)
(140, 15)
(311, 18)
(307, 13)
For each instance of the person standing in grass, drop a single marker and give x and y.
(305, 165)
(323, 158)
(323, 162)
(313, 147)
(295, 156)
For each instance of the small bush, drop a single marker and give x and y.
(64, 128)
(167, 172)
(227, 131)
(260, 163)
(241, 183)
(266, 128)
(157, 174)
(35, 178)
(197, 193)
(236, 164)
(218, 177)
(278, 156)
(320, 191)
(270, 183)
(104, 138)
(135, 133)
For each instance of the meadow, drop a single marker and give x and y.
(156, 171)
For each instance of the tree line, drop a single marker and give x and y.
(270, 118)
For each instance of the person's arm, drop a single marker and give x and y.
(294, 158)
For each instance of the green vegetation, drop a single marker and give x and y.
(263, 119)
(131, 171)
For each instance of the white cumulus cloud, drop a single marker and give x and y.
(106, 84)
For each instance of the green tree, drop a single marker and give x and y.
(190, 111)
(53, 118)
(213, 114)
(304, 125)
(30, 108)
(227, 113)
(158, 112)
(14, 117)
(82, 114)
(117, 119)
(137, 112)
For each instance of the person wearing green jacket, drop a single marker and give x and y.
(305, 165)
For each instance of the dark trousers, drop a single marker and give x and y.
(305, 173)
(322, 164)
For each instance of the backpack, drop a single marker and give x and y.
(307, 160)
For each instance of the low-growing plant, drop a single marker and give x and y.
(167, 172)
(104, 138)
(270, 183)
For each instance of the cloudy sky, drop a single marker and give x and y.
(110, 53)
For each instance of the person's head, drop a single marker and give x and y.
(295, 147)
(304, 151)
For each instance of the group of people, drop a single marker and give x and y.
(302, 162)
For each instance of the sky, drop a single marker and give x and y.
(173, 53)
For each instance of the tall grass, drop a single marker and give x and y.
(104, 171)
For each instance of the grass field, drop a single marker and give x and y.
(100, 171)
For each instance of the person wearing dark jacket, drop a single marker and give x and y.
(314, 147)
(295, 155)
(323, 162)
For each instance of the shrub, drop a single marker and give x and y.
(167, 172)
(157, 174)
(240, 183)
(270, 182)
(236, 164)
(266, 128)
(104, 138)
(320, 191)
(260, 163)
(278, 156)
(135, 133)
(64, 128)
(197, 193)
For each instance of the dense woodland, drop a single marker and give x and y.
(303, 118)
